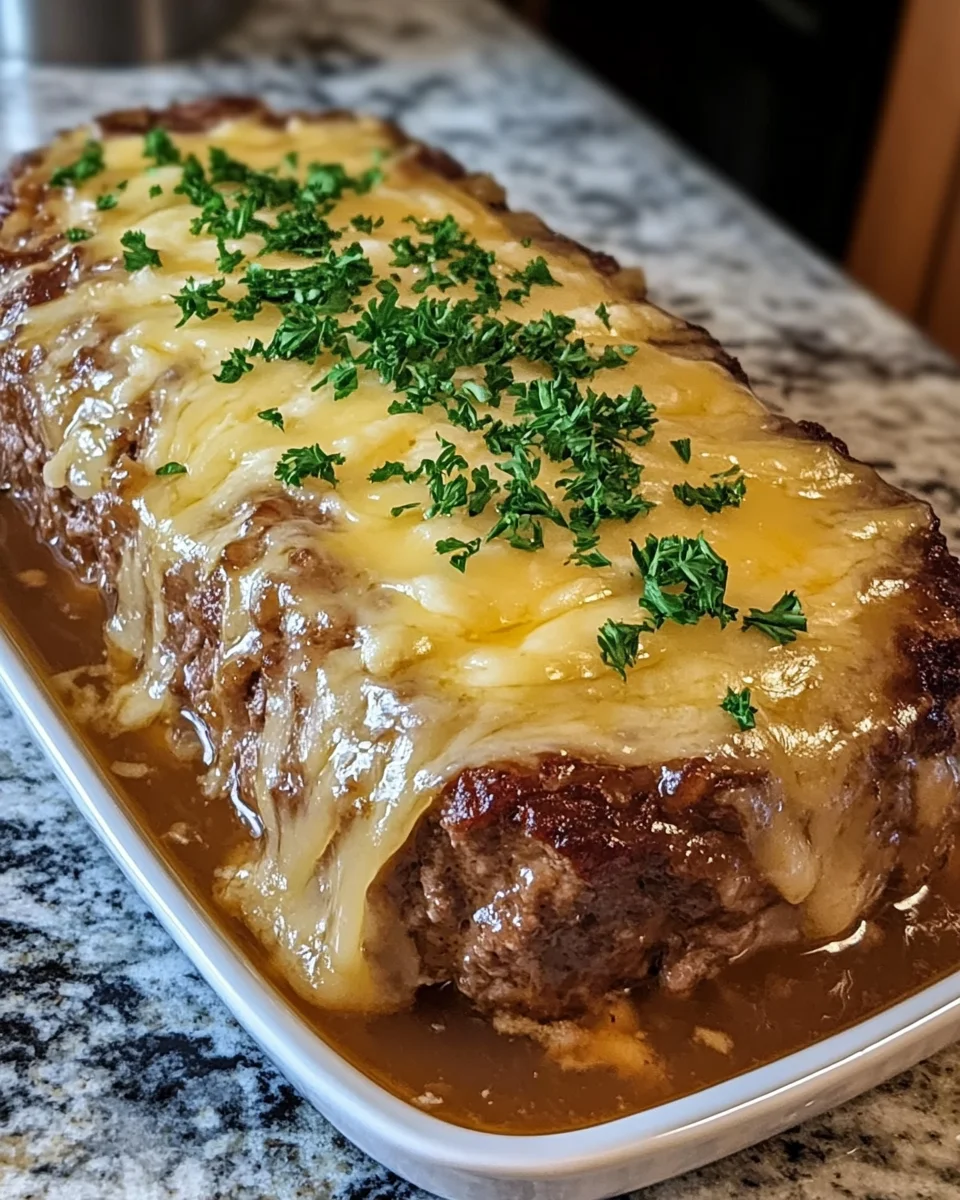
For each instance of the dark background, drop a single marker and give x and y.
(783, 96)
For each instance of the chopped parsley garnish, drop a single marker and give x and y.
(235, 367)
(230, 213)
(463, 259)
(619, 644)
(326, 182)
(137, 253)
(738, 705)
(420, 350)
(230, 194)
(197, 300)
(89, 163)
(727, 492)
(590, 434)
(585, 553)
(389, 470)
(227, 260)
(782, 623)
(535, 274)
(684, 580)
(464, 550)
(158, 146)
(460, 356)
(452, 354)
(343, 377)
(263, 189)
(75, 234)
(525, 505)
(303, 462)
(548, 340)
(196, 187)
(485, 487)
(446, 485)
(303, 333)
(327, 286)
(273, 416)
(298, 231)
(365, 224)
(156, 190)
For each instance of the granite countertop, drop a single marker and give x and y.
(121, 1075)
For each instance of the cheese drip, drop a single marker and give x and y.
(397, 671)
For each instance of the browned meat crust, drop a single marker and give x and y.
(533, 886)
(545, 886)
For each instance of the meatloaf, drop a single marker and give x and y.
(537, 656)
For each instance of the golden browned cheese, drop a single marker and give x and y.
(446, 670)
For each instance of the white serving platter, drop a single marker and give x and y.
(463, 1164)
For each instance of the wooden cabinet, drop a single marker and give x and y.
(906, 240)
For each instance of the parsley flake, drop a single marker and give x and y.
(365, 224)
(158, 146)
(106, 201)
(535, 274)
(172, 468)
(389, 470)
(684, 580)
(235, 367)
(604, 315)
(462, 257)
(155, 190)
(713, 497)
(485, 487)
(782, 623)
(197, 300)
(682, 447)
(344, 378)
(137, 253)
(303, 462)
(738, 705)
(298, 231)
(303, 333)
(619, 644)
(273, 416)
(447, 487)
(227, 260)
(326, 182)
(89, 163)
(327, 286)
(464, 550)
(75, 234)
(525, 505)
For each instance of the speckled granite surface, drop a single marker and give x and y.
(120, 1073)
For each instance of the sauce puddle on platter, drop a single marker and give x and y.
(441, 1055)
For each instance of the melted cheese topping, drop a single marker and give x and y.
(445, 669)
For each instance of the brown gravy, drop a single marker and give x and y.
(442, 1055)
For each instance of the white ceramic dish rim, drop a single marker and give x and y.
(698, 1128)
